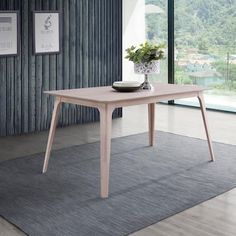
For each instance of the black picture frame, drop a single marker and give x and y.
(47, 33)
(5, 17)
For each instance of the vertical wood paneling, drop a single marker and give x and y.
(72, 51)
(91, 56)
(66, 58)
(10, 93)
(10, 86)
(25, 66)
(32, 78)
(60, 57)
(18, 86)
(45, 80)
(3, 88)
(53, 69)
(81, 50)
(78, 53)
(38, 81)
(3, 95)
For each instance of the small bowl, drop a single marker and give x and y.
(126, 86)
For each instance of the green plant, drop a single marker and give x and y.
(145, 53)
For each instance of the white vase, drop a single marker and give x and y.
(152, 67)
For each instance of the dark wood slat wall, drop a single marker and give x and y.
(91, 55)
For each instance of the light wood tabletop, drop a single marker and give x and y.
(107, 94)
(106, 99)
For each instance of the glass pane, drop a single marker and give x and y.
(205, 49)
(156, 31)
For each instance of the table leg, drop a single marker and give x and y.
(51, 132)
(151, 122)
(203, 110)
(105, 148)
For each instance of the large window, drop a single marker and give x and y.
(205, 49)
(205, 46)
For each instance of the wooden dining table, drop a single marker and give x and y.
(106, 99)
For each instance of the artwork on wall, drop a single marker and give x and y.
(46, 32)
(9, 33)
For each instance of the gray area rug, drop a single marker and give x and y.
(147, 184)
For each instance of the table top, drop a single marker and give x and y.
(107, 94)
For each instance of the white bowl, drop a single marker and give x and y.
(126, 84)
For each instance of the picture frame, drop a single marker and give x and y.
(46, 32)
(9, 33)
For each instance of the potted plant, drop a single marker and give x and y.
(146, 58)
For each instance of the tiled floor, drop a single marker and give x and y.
(179, 120)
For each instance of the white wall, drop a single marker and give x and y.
(133, 33)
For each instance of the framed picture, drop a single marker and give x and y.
(9, 33)
(46, 32)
